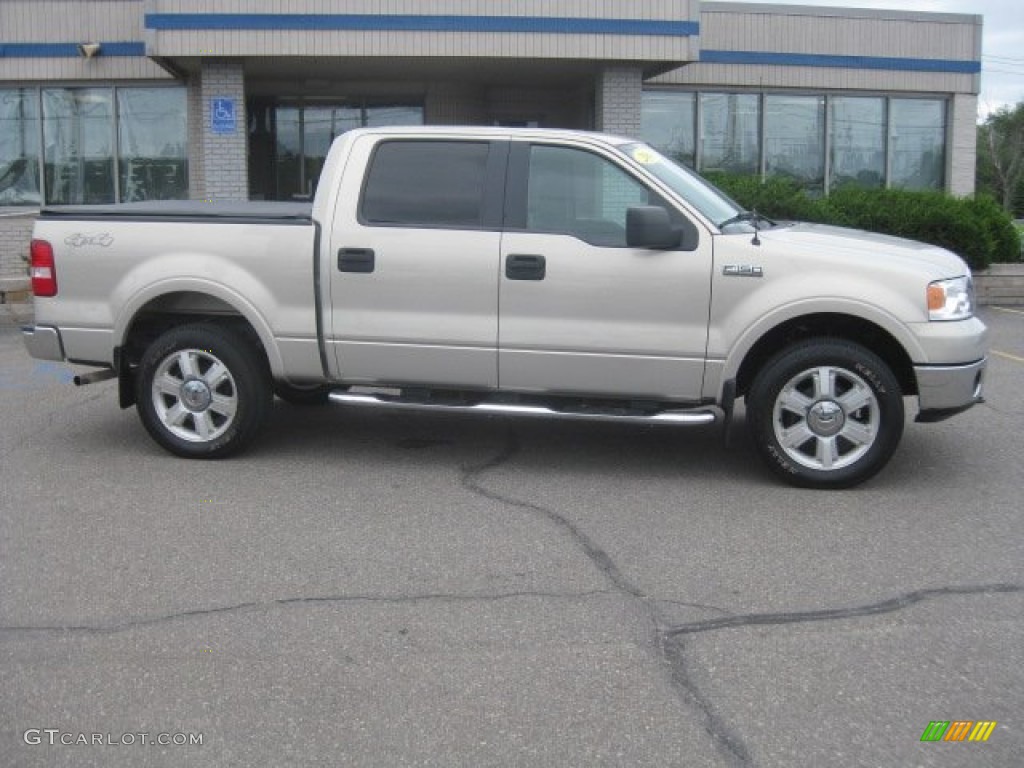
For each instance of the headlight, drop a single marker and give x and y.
(951, 299)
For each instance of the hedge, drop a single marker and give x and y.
(976, 228)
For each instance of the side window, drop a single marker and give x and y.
(578, 193)
(426, 184)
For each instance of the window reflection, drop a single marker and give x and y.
(857, 142)
(794, 139)
(151, 144)
(730, 133)
(667, 124)
(917, 140)
(794, 144)
(19, 147)
(78, 145)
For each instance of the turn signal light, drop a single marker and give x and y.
(42, 269)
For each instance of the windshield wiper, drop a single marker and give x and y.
(752, 216)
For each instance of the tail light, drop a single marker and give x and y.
(43, 269)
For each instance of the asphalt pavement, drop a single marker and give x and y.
(373, 589)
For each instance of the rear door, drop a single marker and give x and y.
(415, 249)
(580, 311)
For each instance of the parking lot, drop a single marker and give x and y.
(395, 590)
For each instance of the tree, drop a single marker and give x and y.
(1001, 157)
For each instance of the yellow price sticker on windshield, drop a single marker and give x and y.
(645, 156)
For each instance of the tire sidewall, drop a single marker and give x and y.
(251, 380)
(852, 358)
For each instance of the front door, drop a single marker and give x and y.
(580, 312)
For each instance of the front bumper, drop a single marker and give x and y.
(946, 390)
(43, 342)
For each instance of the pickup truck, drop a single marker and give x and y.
(510, 271)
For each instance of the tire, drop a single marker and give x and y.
(825, 413)
(203, 391)
(316, 394)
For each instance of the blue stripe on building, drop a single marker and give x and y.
(61, 50)
(846, 62)
(407, 23)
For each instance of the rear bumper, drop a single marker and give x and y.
(946, 390)
(43, 342)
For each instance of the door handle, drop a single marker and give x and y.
(356, 260)
(523, 266)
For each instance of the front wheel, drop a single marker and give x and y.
(825, 413)
(203, 391)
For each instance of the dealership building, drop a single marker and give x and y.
(122, 100)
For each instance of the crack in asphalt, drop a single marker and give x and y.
(725, 740)
(669, 639)
(897, 603)
(439, 597)
(591, 549)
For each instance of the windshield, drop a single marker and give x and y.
(702, 195)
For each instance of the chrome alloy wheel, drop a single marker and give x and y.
(826, 418)
(194, 395)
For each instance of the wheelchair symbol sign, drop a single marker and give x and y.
(222, 116)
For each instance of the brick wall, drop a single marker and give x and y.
(619, 91)
(224, 158)
(15, 233)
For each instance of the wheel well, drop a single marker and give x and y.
(168, 311)
(854, 329)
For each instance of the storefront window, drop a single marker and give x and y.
(668, 121)
(78, 145)
(99, 145)
(917, 141)
(857, 142)
(730, 133)
(151, 143)
(19, 147)
(794, 139)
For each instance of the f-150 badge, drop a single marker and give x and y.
(742, 270)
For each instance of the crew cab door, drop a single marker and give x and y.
(415, 248)
(580, 311)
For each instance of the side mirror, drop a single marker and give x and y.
(649, 226)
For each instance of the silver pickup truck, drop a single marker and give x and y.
(510, 271)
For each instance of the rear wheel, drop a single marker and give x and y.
(203, 391)
(825, 413)
(315, 394)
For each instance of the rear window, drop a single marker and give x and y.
(426, 184)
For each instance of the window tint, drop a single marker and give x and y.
(426, 183)
(577, 193)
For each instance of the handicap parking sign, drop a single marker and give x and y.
(222, 116)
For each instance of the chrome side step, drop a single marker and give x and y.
(672, 417)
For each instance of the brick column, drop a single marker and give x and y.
(961, 152)
(618, 94)
(222, 171)
(15, 234)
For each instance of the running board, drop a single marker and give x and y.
(672, 417)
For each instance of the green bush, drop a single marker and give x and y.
(976, 229)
